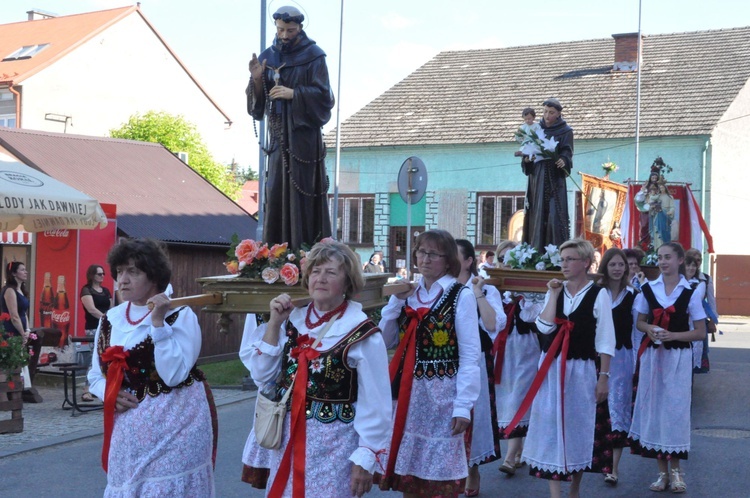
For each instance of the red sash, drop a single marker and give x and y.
(406, 351)
(498, 346)
(117, 357)
(661, 318)
(561, 342)
(298, 439)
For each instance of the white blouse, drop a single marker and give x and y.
(467, 324)
(604, 341)
(176, 346)
(372, 410)
(695, 307)
(495, 299)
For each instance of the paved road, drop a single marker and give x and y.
(717, 467)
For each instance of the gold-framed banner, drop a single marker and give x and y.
(603, 204)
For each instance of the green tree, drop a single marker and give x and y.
(179, 135)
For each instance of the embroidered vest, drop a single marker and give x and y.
(332, 383)
(141, 377)
(582, 337)
(622, 316)
(679, 321)
(437, 342)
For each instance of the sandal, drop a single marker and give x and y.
(87, 397)
(661, 483)
(519, 463)
(507, 468)
(677, 482)
(611, 479)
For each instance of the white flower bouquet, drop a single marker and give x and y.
(526, 257)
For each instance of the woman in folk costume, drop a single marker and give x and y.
(484, 442)
(256, 460)
(434, 373)
(614, 270)
(516, 349)
(336, 430)
(577, 315)
(671, 315)
(159, 439)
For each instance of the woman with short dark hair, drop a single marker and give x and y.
(158, 427)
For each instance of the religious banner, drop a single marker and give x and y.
(663, 213)
(603, 204)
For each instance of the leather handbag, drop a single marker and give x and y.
(269, 414)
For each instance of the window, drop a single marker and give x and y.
(8, 120)
(494, 211)
(356, 219)
(26, 52)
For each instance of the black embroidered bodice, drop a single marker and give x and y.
(331, 382)
(679, 321)
(582, 337)
(436, 339)
(519, 325)
(141, 377)
(622, 316)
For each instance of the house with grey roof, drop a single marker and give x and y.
(458, 113)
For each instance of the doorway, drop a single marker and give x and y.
(397, 247)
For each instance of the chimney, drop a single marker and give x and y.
(36, 14)
(626, 51)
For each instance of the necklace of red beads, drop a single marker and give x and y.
(339, 310)
(134, 322)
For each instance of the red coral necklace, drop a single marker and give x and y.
(134, 322)
(339, 310)
(429, 302)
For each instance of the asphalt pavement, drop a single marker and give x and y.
(59, 456)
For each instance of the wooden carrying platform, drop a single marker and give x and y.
(521, 280)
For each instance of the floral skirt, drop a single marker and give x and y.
(164, 447)
(328, 469)
(430, 461)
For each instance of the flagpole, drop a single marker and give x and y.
(337, 170)
(638, 94)
(261, 140)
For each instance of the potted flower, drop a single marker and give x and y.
(609, 167)
(14, 355)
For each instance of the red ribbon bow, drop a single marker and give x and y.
(117, 358)
(561, 343)
(303, 353)
(498, 345)
(406, 354)
(661, 318)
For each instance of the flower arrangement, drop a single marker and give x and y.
(609, 167)
(251, 259)
(534, 142)
(651, 258)
(526, 257)
(14, 353)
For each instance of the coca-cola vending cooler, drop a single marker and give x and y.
(62, 258)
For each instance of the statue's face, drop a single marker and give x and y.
(287, 32)
(551, 115)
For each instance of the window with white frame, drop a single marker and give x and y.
(356, 219)
(8, 120)
(494, 210)
(26, 52)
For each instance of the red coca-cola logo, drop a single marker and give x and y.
(57, 240)
(57, 233)
(62, 317)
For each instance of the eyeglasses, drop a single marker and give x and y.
(429, 255)
(568, 260)
(100, 274)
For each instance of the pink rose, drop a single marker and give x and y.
(246, 251)
(233, 267)
(303, 263)
(326, 240)
(290, 274)
(269, 275)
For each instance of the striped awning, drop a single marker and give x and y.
(17, 237)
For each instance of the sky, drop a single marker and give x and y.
(384, 40)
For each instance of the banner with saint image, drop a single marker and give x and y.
(602, 203)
